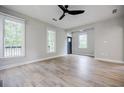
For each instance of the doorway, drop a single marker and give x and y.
(69, 45)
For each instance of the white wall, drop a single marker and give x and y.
(1, 37)
(90, 43)
(109, 38)
(36, 44)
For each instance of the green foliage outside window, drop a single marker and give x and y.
(13, 33)
(83, 41)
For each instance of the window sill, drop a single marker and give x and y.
(83, 48)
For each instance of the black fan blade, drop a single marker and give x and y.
(62, 7)
(75, 12)
(66, 6)
(62, 16)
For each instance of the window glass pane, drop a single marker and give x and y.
(51, 41)
(83, 41)
(13, 38)
(69, 39)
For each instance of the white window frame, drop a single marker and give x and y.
(13, 18)
(83, 33)
(51, 29)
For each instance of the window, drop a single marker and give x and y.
(13, 37)
(83, 40)
(69, 39)
(51, 41)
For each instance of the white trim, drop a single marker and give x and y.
(28, 62)
(12, 57)
(5, 14)
(82, 33)
(52, 30)
(88, 55)
(83, 54)
(109, 60)
(24, 34)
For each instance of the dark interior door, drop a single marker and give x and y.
(69, 45)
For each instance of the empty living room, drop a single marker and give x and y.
(61, 46)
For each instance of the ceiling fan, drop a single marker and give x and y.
(64, 8)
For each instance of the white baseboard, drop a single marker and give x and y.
(109, 60)
(28, 62)
(89, 55)
(84, 54)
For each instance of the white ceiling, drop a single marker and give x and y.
(47, 12)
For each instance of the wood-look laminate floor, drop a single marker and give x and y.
(66, 71)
